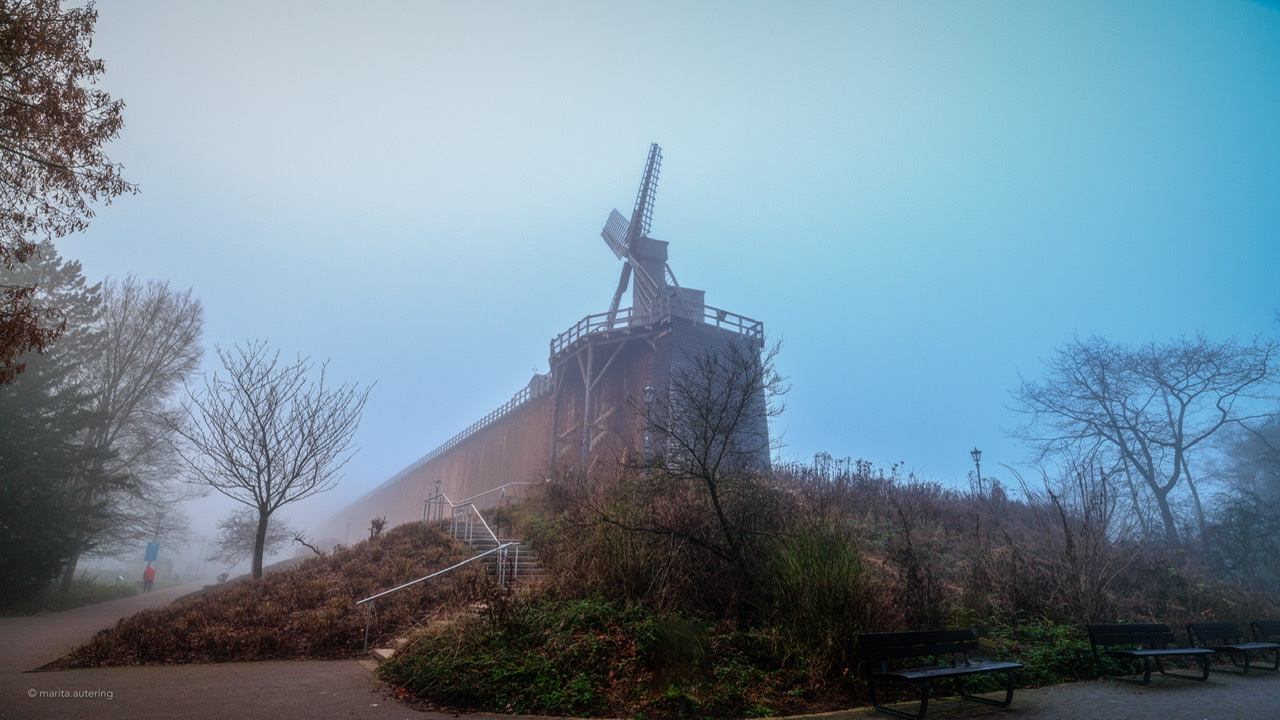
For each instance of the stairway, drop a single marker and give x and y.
(519, 564)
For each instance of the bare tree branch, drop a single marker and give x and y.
(266, 435)
(1148, 409)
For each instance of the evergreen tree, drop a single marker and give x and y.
(43, 416)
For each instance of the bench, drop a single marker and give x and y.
(1228, 638)
(1147, 642)
(949, 653)
(1266, 630)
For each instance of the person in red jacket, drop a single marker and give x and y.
(148, 578)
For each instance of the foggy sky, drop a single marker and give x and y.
(920, 200)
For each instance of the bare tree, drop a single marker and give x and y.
(714, 419)
(1251, 461)
(147, 345)
(266, 435)
(711, 436)
(53, 125)
(1148, 409)
(238, 532)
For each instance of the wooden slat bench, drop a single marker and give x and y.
(1148, 642)
(1227, 638)
(950, 654)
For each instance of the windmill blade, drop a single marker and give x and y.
(679, 292)
(623, 281)
(622, 237)
(615, 234)
(643, 213)
(646, 288)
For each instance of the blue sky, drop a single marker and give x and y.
(919, 199)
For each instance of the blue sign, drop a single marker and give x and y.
(153, 551)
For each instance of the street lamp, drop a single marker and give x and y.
(649, 395)
(976, 454)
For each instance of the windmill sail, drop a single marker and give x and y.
(643, 212)
(630, 241)
(615, 234)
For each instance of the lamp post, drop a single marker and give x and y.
(649, 395)
(976, 454)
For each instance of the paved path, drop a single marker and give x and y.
(1221, 697)
(336, 689)
(346, 688)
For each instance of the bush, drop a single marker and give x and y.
(1050, 652)
(529, 656)
(823, 596)
(592, 657)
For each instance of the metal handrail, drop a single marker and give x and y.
(472, 508)
(368, 615)
(438, 572)
(462, 507)
(435, 499)
(470, 503)
(503, 488)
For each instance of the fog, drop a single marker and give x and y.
(920, 200)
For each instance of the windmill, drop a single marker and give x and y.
(643, 257)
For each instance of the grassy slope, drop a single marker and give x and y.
(305, 611)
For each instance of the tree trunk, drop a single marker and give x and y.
(69, 575)
(1171, 536)
(260, 542)
(1195, 497)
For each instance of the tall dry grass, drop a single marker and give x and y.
(836, 549)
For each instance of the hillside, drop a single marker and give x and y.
(306, 611)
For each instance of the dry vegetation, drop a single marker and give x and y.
(648, 614)
(652, 611)
(306, 611)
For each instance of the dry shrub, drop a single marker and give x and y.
(307, 611)
(642, 539)
(1064, 551)
(648, 539)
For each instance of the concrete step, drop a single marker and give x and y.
(383, 654)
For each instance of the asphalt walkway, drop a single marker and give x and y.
(347, 689)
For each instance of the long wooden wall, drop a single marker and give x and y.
(513, 448)
(590, 415)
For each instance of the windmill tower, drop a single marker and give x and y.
(610, 363)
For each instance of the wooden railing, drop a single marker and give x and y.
(726, 320)
(661, 312)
